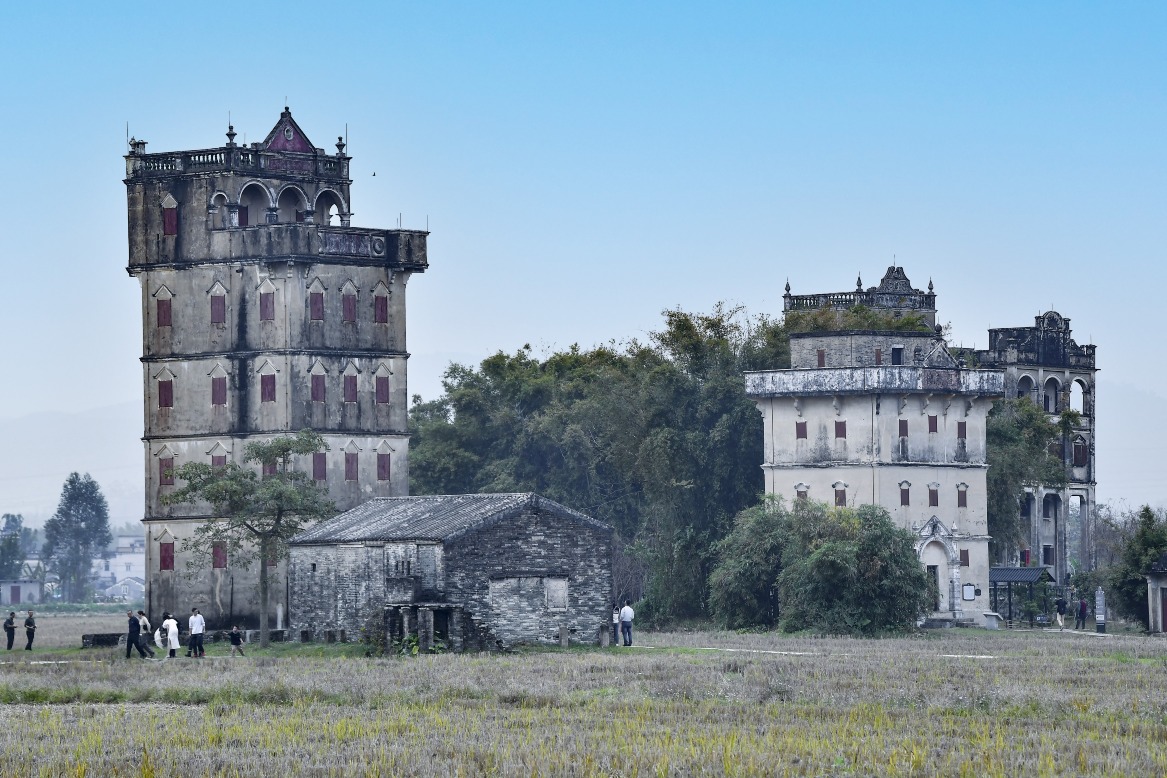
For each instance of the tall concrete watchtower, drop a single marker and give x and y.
(263, 312)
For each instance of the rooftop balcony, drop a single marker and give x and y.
(875, 380)
(230, 159)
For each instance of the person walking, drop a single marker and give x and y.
(626, 617)
(134, 635)
(1060, 602)
(197, 625)
(236, 640)
(29, 630)
(10, 628)
(170, 629)
(1082, 611)
(615, 624)
(144, 632)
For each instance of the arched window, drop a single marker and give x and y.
(1051, 396)
(253, 205)
(328, 208)
(1025, 388)
(1078, 396)
(219, 213)
(1050, 506)
(292, 205)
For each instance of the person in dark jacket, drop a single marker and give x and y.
(29, 630)
(10, 628)
(1061, 606)
(134, 635)
(1083, 609)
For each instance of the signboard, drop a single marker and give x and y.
(969, 591)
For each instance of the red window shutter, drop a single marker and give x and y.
(841, 498)
(350, 466)
(903, 428)
(165, 556)
(961, 430)
(243, 216)
(169, 221)
(1025, 557)
(316, 306)
(165, 394)
(317, 388)
(267, 306)
(383, 467)
(879, 356)
(933, 424)
(218, 309)
(269, 468)
(841, 429)
(218, 462)
(1081, 453)
(350, 388)
(348, 304)
(964, 557)
(267, 388)
(905, 498)
(962, 498)
(218, 556)
(299, 216)
(800, 430)
(166, 471)
(319, 466)
(933, 498)
(382, 389)
(163, 313)
(822, 355)
(219, 390)
(381, 309)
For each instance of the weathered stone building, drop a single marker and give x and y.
(1045, 364)
(888, 418)
(472, 570)
(263, 312)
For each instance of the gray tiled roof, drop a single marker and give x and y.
(1019, 574)
(431, 518)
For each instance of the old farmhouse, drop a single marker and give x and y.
(474, 571)
(263, 312)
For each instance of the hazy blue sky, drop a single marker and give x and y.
(581, 170)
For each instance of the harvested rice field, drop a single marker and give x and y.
(956, 702)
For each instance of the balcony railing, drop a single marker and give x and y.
(228, 159)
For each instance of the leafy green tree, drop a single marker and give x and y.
(1128, 582)
(29, 538)
(1019, 438)
(743, 587)
(256, 516)
(76, 535)
(11, 553)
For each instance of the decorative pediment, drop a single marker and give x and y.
(318, 368)
(381, 288)
(165, 536)
(348, 287)
(384, 448)
(839, 485)
(934, 528)
(934, 485)
(287, 135)
(218, 371)
(169, 202)
(267, 368)
(266, 286)
(351, 447)
(801, 487)
(962, 487)
(165, 452)
(218, 450)
(905, 484)
(317, 286)
(351, 368)
(382, 370)
(164, 375)
(217, 290)
(163, 293)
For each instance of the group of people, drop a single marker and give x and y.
(29, 629)
(1063, 606)
(622, 620)
(167, 635)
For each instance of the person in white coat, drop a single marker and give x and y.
(170, 629)
(198, 625)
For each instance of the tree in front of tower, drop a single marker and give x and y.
(76, 535)
(257, 514)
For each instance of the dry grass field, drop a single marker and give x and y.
(961, 702)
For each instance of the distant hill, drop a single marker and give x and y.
(43, 448)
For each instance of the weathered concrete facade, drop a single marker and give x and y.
(263, 312)
(479, 571)
(1044, 364)
(889, 419)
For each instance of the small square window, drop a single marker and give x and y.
(904, 496)
(267, 306)
(316, 306)
(381, 309)
(933, 498)
(933, 424)
(166, 471)
(1047, 555)
(350, 388)
(165, 556)
(961, 498)
(383, 465)
(319, 466)
(267, 388)
(897, 356)
(841, 498)
(166, 394)
(382, 389)
(317, 388)
(218, 309)
(964, 557)
(841, 429)
(903, 428)
(349, 307)
(162, 308)
(800, 430)
(218, 390)
(961, 430)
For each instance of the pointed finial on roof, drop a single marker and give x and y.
(929, 284)
(231, 134)
(859, 283)
(340, 145)
(787, 286)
